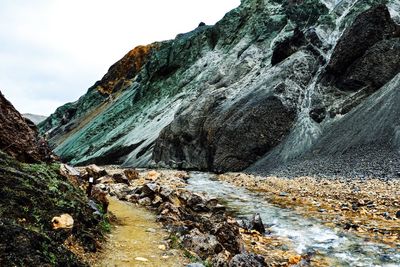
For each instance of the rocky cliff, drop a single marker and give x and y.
(18, 135)
(272, 85)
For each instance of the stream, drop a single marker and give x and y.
(306, 235)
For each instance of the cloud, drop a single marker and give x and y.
(51, 51)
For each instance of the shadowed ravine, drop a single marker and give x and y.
(306, 235)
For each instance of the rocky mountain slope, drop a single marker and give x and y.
(36, 119)
(32, 194)
(18, 136)
(272, 86)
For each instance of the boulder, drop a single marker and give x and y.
(369, 28)
(204, 245)
(247, 260)
(64, 221)
(131, 174)
(95, 171)
(72, 174)
(376, 67)
(257, 224)
(120, 178)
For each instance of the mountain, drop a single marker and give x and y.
(36, 119)
(299, 85)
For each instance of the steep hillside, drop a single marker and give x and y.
(272, 84)
(32, 194)
(18, 136)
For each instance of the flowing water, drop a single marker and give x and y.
(306, 235)
(135, 239)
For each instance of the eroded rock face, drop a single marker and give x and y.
(256, 90)
(368, 29)
(18, 138)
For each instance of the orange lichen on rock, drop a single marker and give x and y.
(119, 74)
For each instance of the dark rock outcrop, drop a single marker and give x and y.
(375, 68)
(368, 29)
(229, 139)
(18, 138)
(288, 47)
(247, 260)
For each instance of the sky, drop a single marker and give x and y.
(52, 51)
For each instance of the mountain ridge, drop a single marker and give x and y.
(251, 90)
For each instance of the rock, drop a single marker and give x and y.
(157, 200)
(64, 221)
(228, 234)
(204, 245)
(162, 247)
(294, 259)
(101, 197)
(71, 173)
(283, 194)
(120, 178)
(141, 259)
(119, 190)
(145, 201)
(150, 189)
(369, 28)
(165, 191)
(131, 174)
(398, 214)
(318, 114)
(153, 175)
(247, 260)
(257, 224)
(95, 171)
(17, 138)
(288, 47)
(151, 230)
(105, 180)
(376, 67)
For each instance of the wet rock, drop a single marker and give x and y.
(95, 171)
(204, 245)
(120, 178)
(64, 221)
(131, 174)
(247, 260)
(257, 224)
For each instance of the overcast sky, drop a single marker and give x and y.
(52, 51)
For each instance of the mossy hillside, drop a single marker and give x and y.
(32, 194)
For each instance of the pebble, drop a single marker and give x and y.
(398, 214)
(141, 259)
(162, 247)
(151, 230)
(283, 194)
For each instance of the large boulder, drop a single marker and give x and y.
(376, 67)
(369, 28)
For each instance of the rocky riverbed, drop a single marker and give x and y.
(209, 231)
(369, 208)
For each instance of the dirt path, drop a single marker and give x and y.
(135, 239)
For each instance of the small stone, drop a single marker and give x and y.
(283, 194)
(151, 230)
(322, 210)
(162, 247)
(141, 259)
(398, 214)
